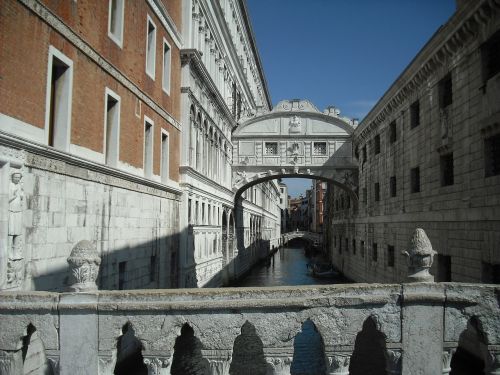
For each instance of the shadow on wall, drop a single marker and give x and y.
(150, 264)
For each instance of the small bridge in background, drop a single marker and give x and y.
(316, 238)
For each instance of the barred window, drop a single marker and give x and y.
(319, 148)
(415, 114)
(271, 148)
(390, 256)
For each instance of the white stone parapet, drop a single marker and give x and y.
(418, 322)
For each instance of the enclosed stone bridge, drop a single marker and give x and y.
(295, 139)
(309, 236)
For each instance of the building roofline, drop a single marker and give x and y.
(253, 42)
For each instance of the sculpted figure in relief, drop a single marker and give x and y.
(295, 124)
(15, 229)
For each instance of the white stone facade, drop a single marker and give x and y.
(428, 157)
(222, 80)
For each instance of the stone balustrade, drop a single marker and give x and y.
(416, 328)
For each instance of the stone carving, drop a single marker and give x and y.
(295, 148)
(444, 118)
(493, 364)
(393, 362)
(295, 124)
(420, 257)
(447, 355)
(242, 176)
(155, 365)
(17, 203)
(84, 264)
(338, 364)
(11, 362)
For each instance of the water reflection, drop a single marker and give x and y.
(288, 267)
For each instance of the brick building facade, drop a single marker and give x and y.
(90, 118)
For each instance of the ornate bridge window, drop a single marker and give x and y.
(271, 148)
(319, 148)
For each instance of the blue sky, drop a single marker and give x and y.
(344, 53)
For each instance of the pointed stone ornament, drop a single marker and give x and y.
(84, 264)
(420, 257)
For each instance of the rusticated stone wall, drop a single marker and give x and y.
(396, 329)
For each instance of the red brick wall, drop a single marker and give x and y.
(23, 74)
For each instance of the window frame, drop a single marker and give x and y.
(151, 73)
(148, 173)
(110, 93)
(117, 39)
(166, 88)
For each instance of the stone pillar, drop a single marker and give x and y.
(493, 363)
(79, 337)
(422, 328)
(447, 356)
(338, 364)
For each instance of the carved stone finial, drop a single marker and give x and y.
(420, 256)
(84, 264)
(447, 356)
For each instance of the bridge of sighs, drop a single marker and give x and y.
(295, 139)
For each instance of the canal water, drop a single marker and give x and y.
(288, 267)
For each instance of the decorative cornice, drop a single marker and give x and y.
(59, 26)
(193, 58)
(204, 179)
(445, 43)
(47, 158)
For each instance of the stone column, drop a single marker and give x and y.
(493, 363)
(338, 364)
(157, 365)
(393, 362)
(79, 336)
(447, 356)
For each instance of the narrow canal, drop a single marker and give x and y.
(287, 267)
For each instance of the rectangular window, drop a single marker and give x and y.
(415, 179)
(364, 155)
(148, 147)
(340, 244)
(347, 245)
(164, 163)
(376, 144)
(443, 268)
(392, 132)
(115, 21)
(167, 58)
(445, 91)
(112, 125)
(377, 191)
(362, 248)
(271, 148)
(190, 215)
(390, 256)
(122, 266)
(490, 56)
(492, 155)
(58, 101)
(374, 252)
(152, 268)
(393, 186)
(365, 195)
(354, 246)
(319, 148)
(446, 162)
(197, 212)
(150, 48)
(203, 213)
(415, 114)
